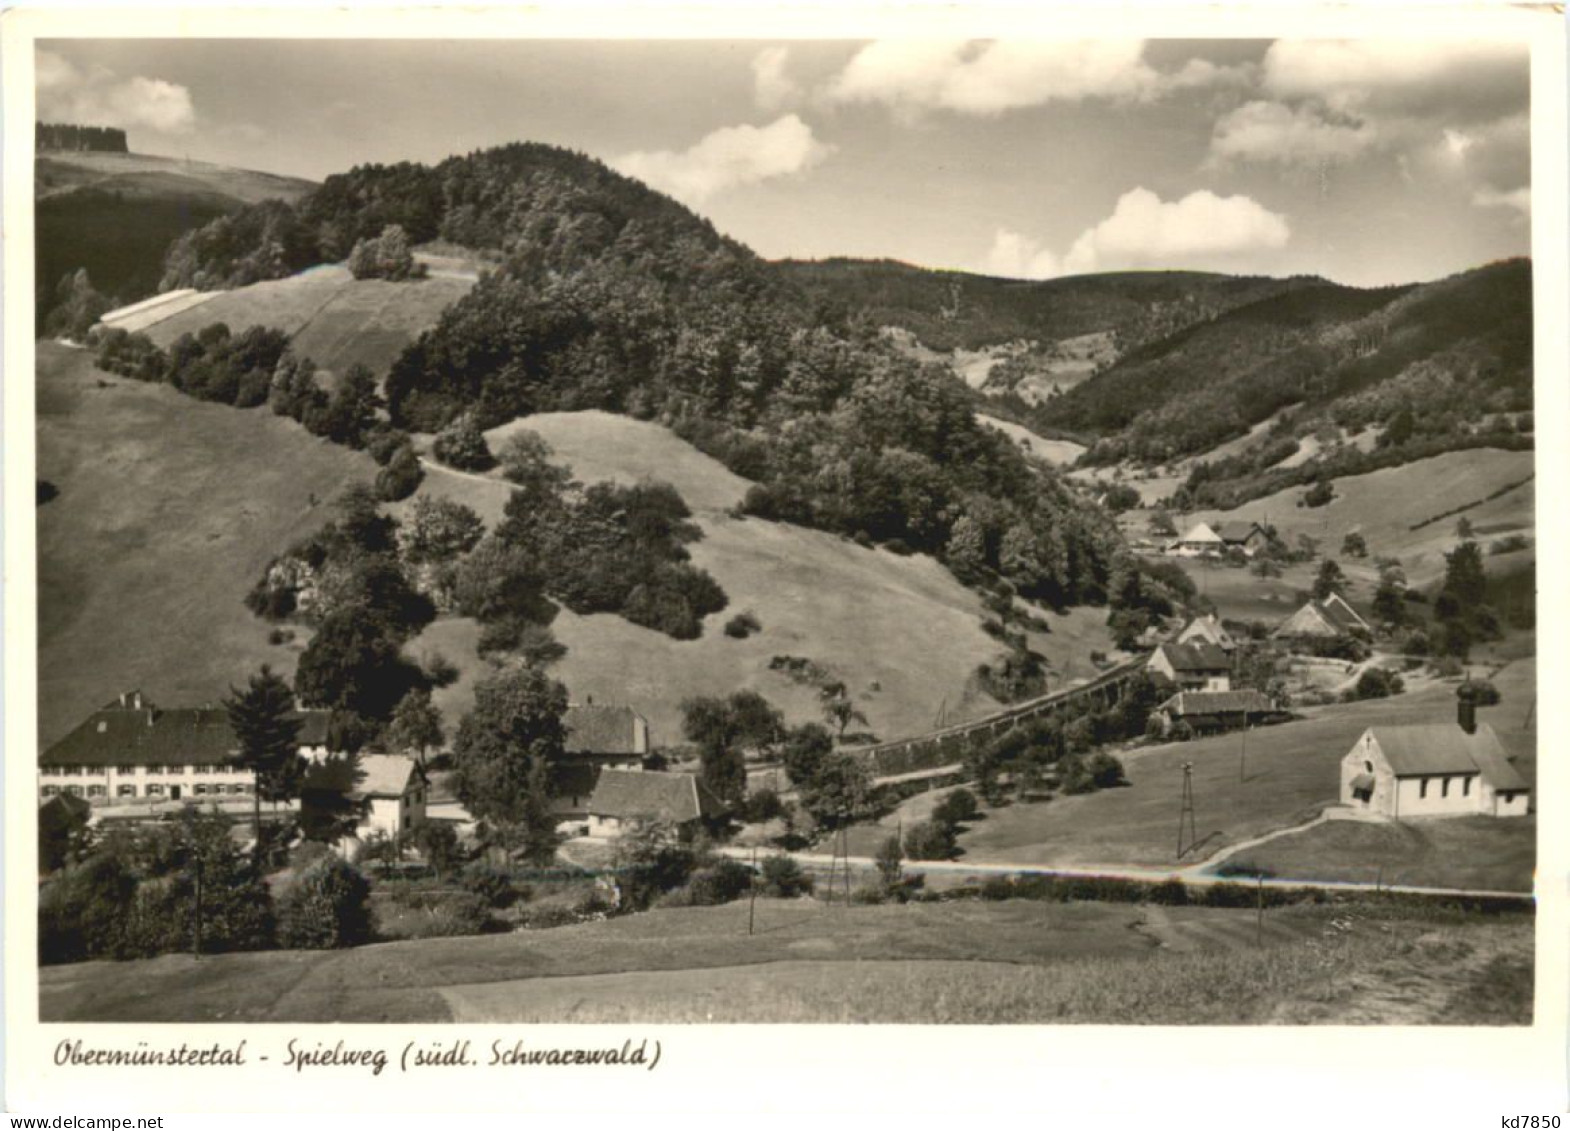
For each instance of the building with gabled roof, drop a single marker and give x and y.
(1207, 629)
(1207, 711)
(131, 751)
(625, 797)
(1250, 537)
(1199, 539)
(1196, 666)
(598, 737)
(1329, 618)
(364, 794)
(1434, 770)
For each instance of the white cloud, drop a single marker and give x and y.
(1273, 131)
(101, 98)
(1015, 256)
(912, 77)
(1519, 199)
(1201, 230)
(772, 88)
(1469, 81)
(729, 158)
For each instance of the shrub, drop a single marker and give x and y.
(742, 625)
(1377, 683)
(401, 477)
(491, 884)
(1484, 694)
(324, 907)
(723, 882)
(930, 840)
(783, 878)
(763, 805)
(1508, 545)
(1319, 494)
(958, 807)
(440, 915)
(462, 445)
(1171, 892)
(888, 861)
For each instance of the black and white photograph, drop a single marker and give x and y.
(784, 531)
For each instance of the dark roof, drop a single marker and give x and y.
(677, 798)
(1238, 531)
(1444, 748)
(1219, 702)
(1335, 609)
(124, 734)
(1197, 656)
(601, 730)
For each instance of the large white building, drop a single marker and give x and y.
(131, 752)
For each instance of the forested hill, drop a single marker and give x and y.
(949, 310)
(609, 295)
(1412, 370)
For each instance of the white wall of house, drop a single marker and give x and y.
(1440, 795)
(1365, 758)
(1511, 803)
(604, 826)
(119, 785)
(394, 815)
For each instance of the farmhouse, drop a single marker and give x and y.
(1200, 539)
(1199, 666)
(622, 797)
(1438, 770)
(1207, 711)
(1207, 629)
(1329, 618)
(131, 752)
(598, 738)
(1250, 537)
(360, 796)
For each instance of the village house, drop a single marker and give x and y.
(1199, 540)
(597, 738)
(1327, 619)
(624, 797)
(133, 753)
(1433, 770)
(363, 796)
(1249, 537)
(1207, 629)
(1210, 711)
(1199, 666)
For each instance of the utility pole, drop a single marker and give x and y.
(752, 904)
(1259, 922)
(196, 926)
(1186, 813)
(1242, 753)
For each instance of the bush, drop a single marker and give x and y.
(1170, 893)
(1377, 683)
(1508, 545)
(491, 884)
(401, 477)
(325, 906)
(783, 878)
(441, 915)
(742, 625)
(723, 882)
(462, 445)
(930, 840)
(762, 805)
(1319, 494)
(1484, 694)
(957, 808)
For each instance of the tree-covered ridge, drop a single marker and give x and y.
(550, 203)
(64, 136)
(956, 310)
(1431, 361)
(608, 295)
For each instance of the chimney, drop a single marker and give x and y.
(1466, 708)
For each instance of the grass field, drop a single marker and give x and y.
(331, 317)
(168, 510)
(1292, 773)
(959, 962)
(1053, 451)
(1471, 852)
(59, 172)
(872, 617)
(1383, 506)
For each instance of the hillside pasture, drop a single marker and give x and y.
(62, 171)
(1384, 505)
(1053, 451)
(330, 316)
(169, 509)
(900, 631)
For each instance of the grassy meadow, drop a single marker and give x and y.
(955, 962)
(169, 508)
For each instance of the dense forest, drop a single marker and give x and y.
(609, 295)
(62, 136)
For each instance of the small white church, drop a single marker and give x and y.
(1434, 770)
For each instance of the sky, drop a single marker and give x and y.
(1365, 161)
